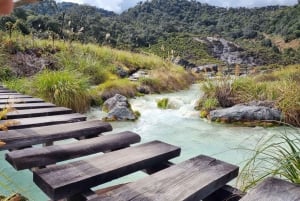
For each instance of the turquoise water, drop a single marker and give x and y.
(180, 126)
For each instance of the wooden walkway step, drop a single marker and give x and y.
(37, 112)
(21, 100)
(7, 91)
(24, 106)
(31, 136)
(61, 181)
(15, 96)
(37, 157)
(45, 121)
(273, 189)
(191, 180)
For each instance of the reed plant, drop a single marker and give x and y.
(277, 155)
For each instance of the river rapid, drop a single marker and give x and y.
(181, 127)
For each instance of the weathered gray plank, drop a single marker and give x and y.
(24, 106)
(37, 157)
(7, 91)
(15, 96)
(45, 121)
(37, 112)
(273, 189)
(65, 180)
(227, 193)
(39, 135)
(21, 100)
(191, 180)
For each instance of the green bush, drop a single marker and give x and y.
(64, 88)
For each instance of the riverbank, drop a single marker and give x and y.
(275, 95)
(77, 75)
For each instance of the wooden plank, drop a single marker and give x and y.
(191, 180)
(21, 100)
(39, 135)
(37, 157)
(65, 180)
(273, 189)
(7, 91)
(14, 96)
(45, 121)
(227, 193)
(37, 112)
(24, 106)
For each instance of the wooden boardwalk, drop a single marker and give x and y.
(41, 123)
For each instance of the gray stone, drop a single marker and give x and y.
(121, 113)
(245, 113)
(118, 109)
(117, 99)
(122, 72)
(144, 89)
(138, 75)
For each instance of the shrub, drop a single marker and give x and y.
(163, 103)
(64, 88)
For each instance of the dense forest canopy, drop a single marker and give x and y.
(150, 22)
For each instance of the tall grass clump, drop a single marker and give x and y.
(124, 87)
(64, 88)
(278, 155)
(163, 103)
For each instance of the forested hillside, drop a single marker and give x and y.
(269, 34)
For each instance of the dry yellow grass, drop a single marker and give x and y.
(281, 44)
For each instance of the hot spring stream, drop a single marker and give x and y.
(181, 127)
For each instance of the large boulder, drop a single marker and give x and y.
(118, 109)
(245, 113)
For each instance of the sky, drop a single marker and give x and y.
(121, 5)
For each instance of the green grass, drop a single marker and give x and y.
(63, 88)
(108, 89)
(163, 103)
(278, 155)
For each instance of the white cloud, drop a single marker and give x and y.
(120, 5)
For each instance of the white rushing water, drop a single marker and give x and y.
(181, 127)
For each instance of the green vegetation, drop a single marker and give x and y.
(182, 46)
(64, 73)
(170, 29)
(124, 87)
(277, 155)
(163, 103)
(64, 88)
(281, 86)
